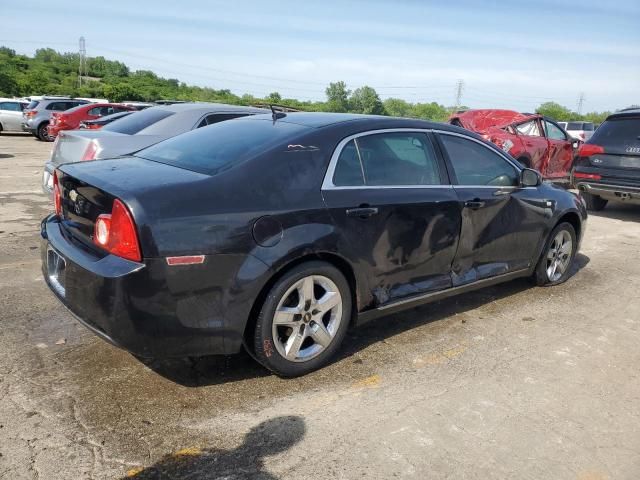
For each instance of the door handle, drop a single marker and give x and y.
(501, 192)
(362, 212)
(474, 204)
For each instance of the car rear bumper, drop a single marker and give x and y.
(622, 193)
(148, 309)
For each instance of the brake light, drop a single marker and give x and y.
(116, 233)
(31, 113)
(587, 176)
(586, 150)
(90, 152)
(57, 197)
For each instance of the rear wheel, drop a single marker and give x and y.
(303, 319)
(594, 202)
(43, 134)
(554, 266)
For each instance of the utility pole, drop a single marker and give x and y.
(82, 67)
(459, 91)
(580, 103)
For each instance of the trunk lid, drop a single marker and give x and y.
(88, 189)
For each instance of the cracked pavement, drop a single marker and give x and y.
(512, 381)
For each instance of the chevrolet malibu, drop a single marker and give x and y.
(276, 233)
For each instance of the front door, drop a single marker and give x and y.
(501, 222)
(399, 218)
(560, 151)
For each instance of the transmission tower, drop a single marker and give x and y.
(459, 91)
(580, 103)
(82, 67)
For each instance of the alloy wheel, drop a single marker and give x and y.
(559, 255)
(307, 318)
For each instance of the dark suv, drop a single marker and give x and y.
(35, 118)
(608, 165)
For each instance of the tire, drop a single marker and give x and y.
(42, 132)
(594, 202)
(298, 333)
(555, 251)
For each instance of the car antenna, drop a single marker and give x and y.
(275, 114)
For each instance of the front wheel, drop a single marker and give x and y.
(594, 202)
(554, 266)
(303, 319)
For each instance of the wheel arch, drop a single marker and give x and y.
(573, 219)
(331, 258)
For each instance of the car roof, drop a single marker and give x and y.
(325, 119)
(208, 107)
(481, 119)
(626, 113)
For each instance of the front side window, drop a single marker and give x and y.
(530, 128)
(388, 159)
(477, 165)
(553, 131)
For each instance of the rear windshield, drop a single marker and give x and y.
(618, 132)
(33, 104)
(137, 121)
(218, 147)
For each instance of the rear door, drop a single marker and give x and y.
(501, 222)
(10, 115)
(397, 214)
(560, 151)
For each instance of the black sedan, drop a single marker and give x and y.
(276, 233)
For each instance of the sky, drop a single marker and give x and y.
(508, 54)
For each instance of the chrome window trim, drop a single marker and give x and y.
(327, 183)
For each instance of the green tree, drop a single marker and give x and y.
(337, 97)
(397, 107)
(430, 111)
(556, 111)
(366, 100)
(274, 97)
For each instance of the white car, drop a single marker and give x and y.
(582, 131)
(11, 114)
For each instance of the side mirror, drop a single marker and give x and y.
(530, 178)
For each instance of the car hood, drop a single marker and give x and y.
(483, 120)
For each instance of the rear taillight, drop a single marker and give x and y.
(57, 196)
(90, 152)
(586, 150)
(31, 113)
(116, 233)
(587, 176)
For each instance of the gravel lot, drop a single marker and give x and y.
(512, 382)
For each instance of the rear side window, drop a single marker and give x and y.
(137, 121)
(221, 146)
(61, 106)
(529, 128)
(11, 106)
(477, 165)
(348, 172)
(618, 132)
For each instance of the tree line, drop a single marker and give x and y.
(53, 73)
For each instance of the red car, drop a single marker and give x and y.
(535, 141)
(70, 119)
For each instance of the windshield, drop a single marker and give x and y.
(218, 147)
(132, 124)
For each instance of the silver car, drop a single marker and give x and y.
(11, 114)
(137, 131)
(36, 116)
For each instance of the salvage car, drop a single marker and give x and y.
(135, 132)
(608, 165)
(535, 141)
(70, 119)
(278, 232)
